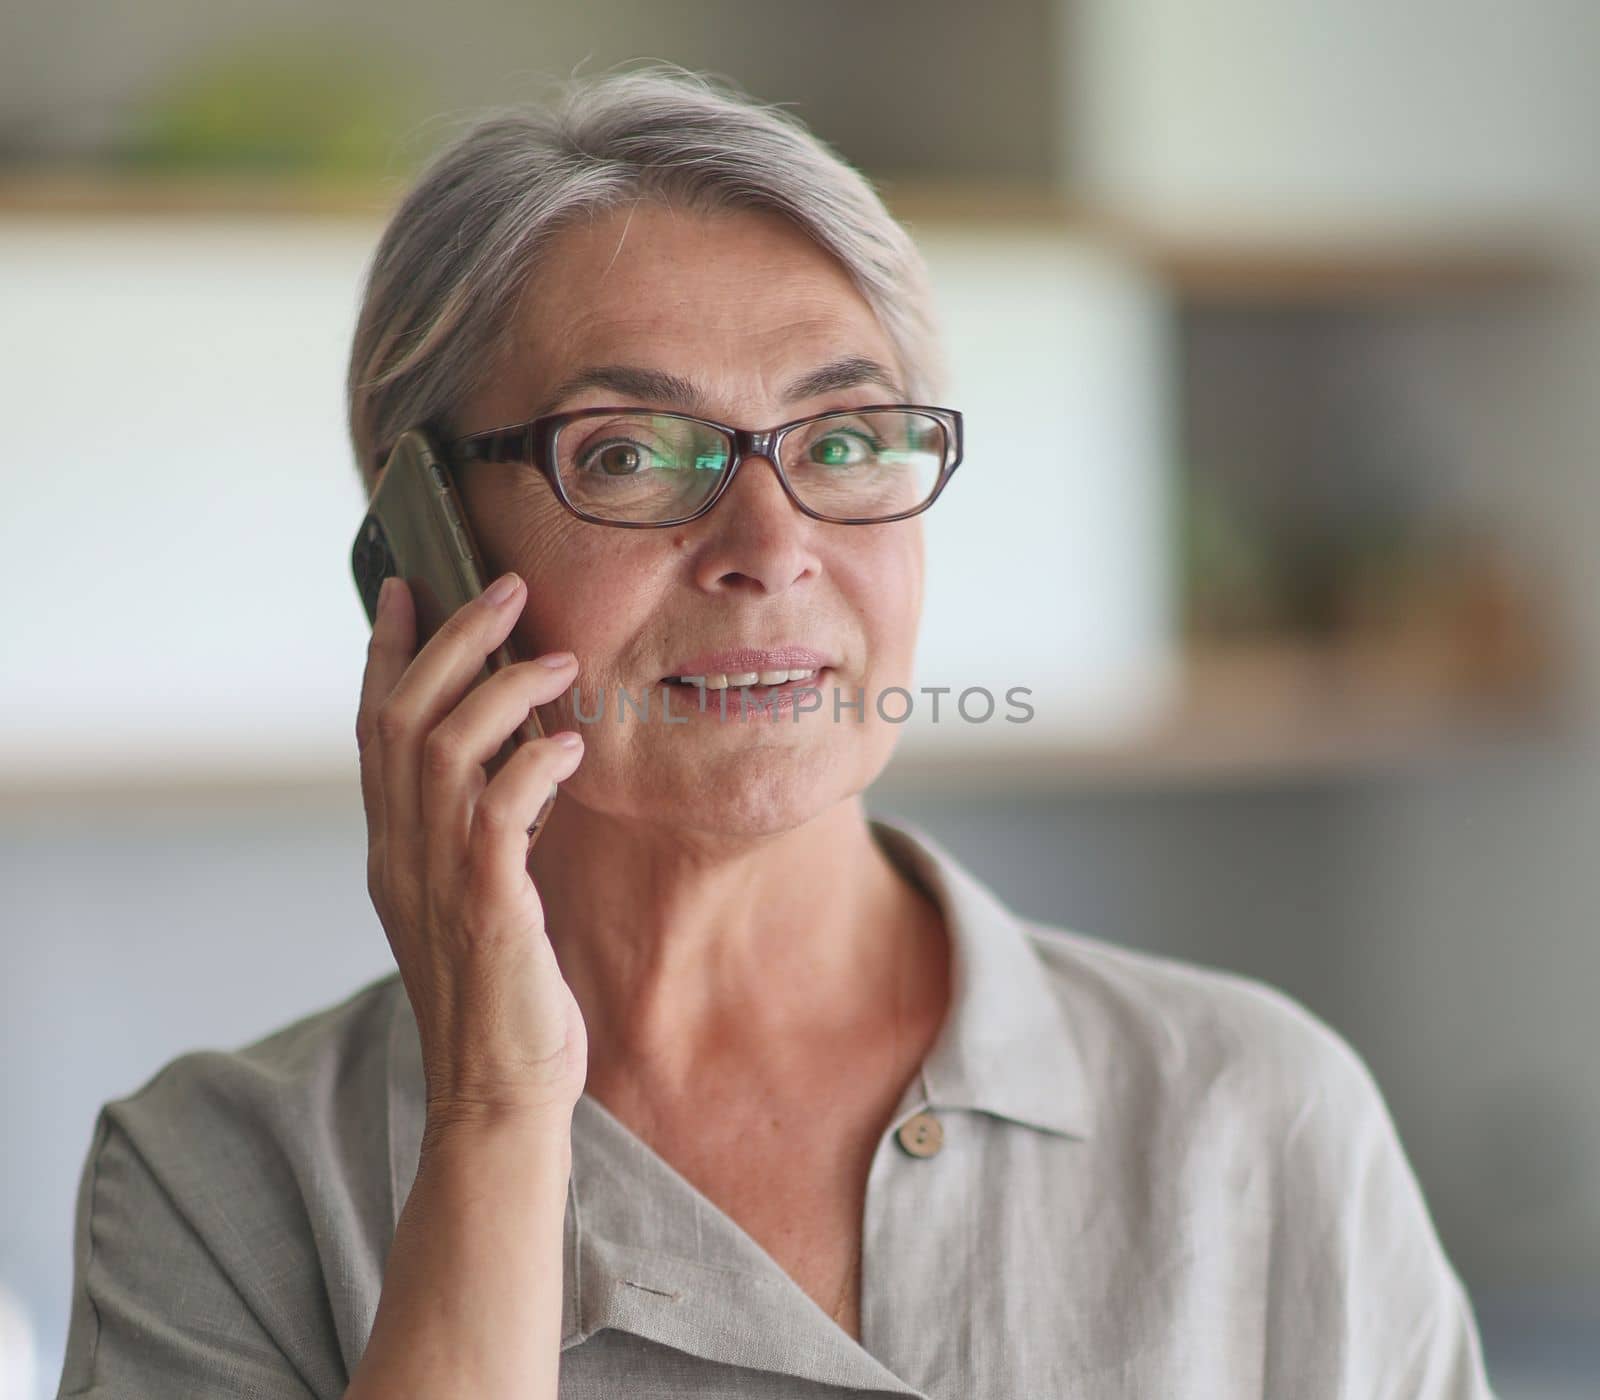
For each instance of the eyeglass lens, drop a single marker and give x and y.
(659, 466)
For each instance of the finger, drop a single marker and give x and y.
(497, 850)
(434, 682)
(389, 651)
(457, 749)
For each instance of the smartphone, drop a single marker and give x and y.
(416, 527)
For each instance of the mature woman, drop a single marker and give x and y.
(722, 1088)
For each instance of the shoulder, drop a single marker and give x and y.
(325, 1071)
(1195, 1038)
(249, 1189)
(286, 1135)
(1250, 1117)
(1259, 1114)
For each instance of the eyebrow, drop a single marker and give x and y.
(663, 387)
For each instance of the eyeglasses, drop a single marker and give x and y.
(642, 470)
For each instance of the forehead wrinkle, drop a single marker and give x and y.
(842, 372)
(595, 336)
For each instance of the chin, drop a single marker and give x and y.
(767, 789)
(746, 790)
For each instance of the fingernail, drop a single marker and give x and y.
(568, 739)
(384, 593)
(500, 590)
(556, 660)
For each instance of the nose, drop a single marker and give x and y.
(758, 538)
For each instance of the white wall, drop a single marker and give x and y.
(179, 497)
(1049, 555)
(1314, 116)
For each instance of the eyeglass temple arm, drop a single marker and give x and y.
(498, 446)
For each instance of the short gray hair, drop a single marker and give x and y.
(449, 269)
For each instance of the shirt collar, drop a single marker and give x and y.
(1005, 1050)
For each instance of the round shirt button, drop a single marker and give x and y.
(921, 1135)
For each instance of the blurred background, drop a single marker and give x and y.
(1307, 298)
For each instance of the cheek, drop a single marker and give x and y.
(893, 591)
(591, 591)
(551, 559)
(888, 594)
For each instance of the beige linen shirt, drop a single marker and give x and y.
(1151, 1179)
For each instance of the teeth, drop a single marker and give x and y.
(720, 681)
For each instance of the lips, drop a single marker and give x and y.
(746, 702)
(751, 665)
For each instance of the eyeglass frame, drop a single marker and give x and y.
(533, 443)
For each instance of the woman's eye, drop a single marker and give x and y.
(621, 457)
(843, 449)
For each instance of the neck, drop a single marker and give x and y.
(687, 955)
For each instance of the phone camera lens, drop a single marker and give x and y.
(372, 562)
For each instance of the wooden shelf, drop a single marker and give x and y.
(1272, 712)
(1324, 268)
(1376, 272)
(1328, 266)
(105, 194)
(1192, 759)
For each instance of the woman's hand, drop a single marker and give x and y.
(502, 1036)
